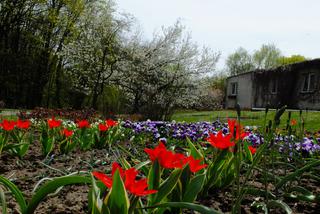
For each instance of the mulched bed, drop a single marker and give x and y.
(28, 172)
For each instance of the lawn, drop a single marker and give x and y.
(250, 118)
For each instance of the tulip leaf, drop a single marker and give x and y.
(125, 163)
(247, 150)
(193, 150)
(185, 178)
(167, 186)
(94, 197)
(297, 173)
(17, 194)
(142, 165)
(3, 201)
(259, 192)
(154, 177)
(300, 193)
(279, 204)
(193, 188)
(186, 205)
(117, 199)
(51, 187)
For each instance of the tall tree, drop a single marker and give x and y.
(239, 62)
(91, 58)
(291, 59)
(266, 57)
(159, 72)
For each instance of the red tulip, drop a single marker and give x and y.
(234, 126)
(67, 133)
(103, 127)
(166, 158)
(195, 165)
(23, 124)
(219, 141)
(111, 123)
(8, 125)
(169, 160)
(252, 149)
(293, 122)
(83, 124)
(53, 123)
(135, 187)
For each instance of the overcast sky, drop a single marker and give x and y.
(224, 25)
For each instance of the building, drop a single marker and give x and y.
(296, 85)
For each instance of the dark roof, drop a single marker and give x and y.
(289, 67)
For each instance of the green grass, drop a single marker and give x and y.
(250, 118)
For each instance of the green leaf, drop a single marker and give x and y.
(117, 199)
(193, 150)
(186, 205)
(279, 204)
(3, 201)
(185, 178)
(260, 205)
(259, 192)
(194, 187)
(125, 163)
(248, 152)
(278, 115)
(51, 187)
(154, 177)
(94, 196)
(296, 174)
(17, 194)
(167, 186)
(303, 194)
(142, 164)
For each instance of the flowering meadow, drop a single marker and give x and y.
(51, 164)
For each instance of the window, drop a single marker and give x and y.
(308, 82)
(234, 88)
(274, 86)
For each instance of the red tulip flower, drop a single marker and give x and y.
(53, 123)
(103, 127)
(293, 122)
(252, 149)
(169, 160)
(166, 158)
(8, 125)
(195, 165)
(23, 124)
(83, 124)
(135, 187)
(219, 141)
(234, 126)
(111, 123)
(67, 133)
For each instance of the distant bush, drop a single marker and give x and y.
(43, 113)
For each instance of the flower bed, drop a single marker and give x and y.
(156, 165)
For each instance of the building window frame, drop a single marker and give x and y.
(308, 84)
(234, 89)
